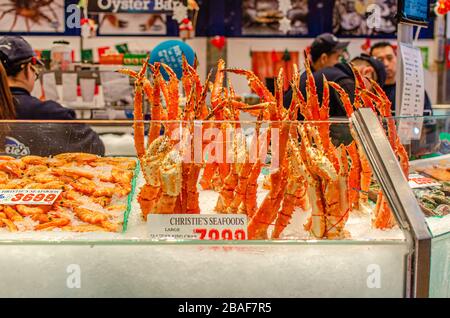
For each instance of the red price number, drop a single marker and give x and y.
(225, 234)
(31, 197)
(422, 180)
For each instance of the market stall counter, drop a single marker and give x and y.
(87, 226)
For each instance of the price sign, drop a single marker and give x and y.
(419, 181)
(197, 227)
(29, 196)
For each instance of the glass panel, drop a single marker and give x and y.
(427, 141)
(203, 271)
(440, 266)
(295, 181)
(297, 264)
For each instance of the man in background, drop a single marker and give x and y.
(385, 52)
(326, 51)
(342, 74)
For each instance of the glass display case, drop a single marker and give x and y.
(428, 142)
(313, 225)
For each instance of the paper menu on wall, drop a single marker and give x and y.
(413, 96)
(413, 93)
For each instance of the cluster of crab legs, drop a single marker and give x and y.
(311, 173)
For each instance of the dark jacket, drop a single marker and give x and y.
(340, 73)
(390, 92)
(44, 139)
(31, 108)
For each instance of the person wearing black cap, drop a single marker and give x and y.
(325, 51)
(342, 74)
(22, 69)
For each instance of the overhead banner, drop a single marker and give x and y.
(275, 17)
(133, 6)
(364, 17)
(132, 24)
(32, 16)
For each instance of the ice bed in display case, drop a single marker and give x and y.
(311, 227)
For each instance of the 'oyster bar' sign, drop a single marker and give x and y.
(133, 6)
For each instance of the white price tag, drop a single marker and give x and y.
(419, 181)
(197, 226)
(29, 196)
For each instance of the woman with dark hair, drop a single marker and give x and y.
(20, 70)
(7, 109)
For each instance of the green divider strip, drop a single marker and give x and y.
(130, 197)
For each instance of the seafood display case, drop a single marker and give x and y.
(428, 144)
(313, 229)
(319, 207)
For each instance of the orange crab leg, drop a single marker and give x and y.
(344, 97)
(203, 108)
(286, 211)
(359, 87)
(139, 132)
(324, 128)
(250, 205)
(255, 84)
(311, 93)
(354, 179)
(172, 101)
(264, 216)
(383, 216)
(156, 113)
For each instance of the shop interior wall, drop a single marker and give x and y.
(134, 44)
(239, 56)
(238, 51)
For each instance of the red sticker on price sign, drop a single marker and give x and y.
(197, 227)
(447, 55)
(419, 181)
(29, 196)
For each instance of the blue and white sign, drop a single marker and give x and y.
(171, 53)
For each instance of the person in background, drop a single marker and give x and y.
(385, 52)
(325, 51)
(22, 70)
(342, 74)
